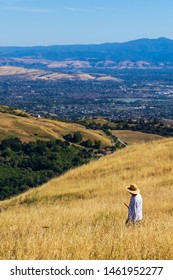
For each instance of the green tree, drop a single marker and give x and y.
(88, 143)
(77, 137)
(97, 144)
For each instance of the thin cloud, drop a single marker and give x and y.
(87, 10)
(27, 10)
(39, 10)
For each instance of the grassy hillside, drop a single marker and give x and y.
(35, 74)
(81, 214)
(133, 137)
(30, 129)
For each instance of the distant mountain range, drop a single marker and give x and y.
(145, 52)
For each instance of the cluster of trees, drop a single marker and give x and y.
(13, 111)
(154, 126)
(96, 144)
(77, 138)
(27, 165)
(74, 138)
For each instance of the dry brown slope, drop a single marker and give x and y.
(35, 74)
(134, 137)
(30, 129)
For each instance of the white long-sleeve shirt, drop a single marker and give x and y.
(135, 208)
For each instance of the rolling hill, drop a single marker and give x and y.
(31, 129)
(35, 74)
(134, 137)
(81, 215)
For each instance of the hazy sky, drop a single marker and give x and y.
(50, 22)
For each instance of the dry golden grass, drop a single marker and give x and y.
(81, 214)
(109, 78)
(134, 137)
(30, 129)
(12, 70)
(34, 74)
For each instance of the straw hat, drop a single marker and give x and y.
(133, 189)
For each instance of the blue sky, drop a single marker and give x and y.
(50, 22)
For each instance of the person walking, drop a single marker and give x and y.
(135, 205)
